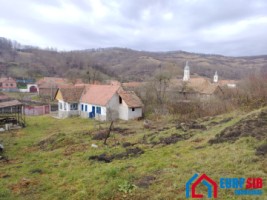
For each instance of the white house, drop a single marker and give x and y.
(102, 102)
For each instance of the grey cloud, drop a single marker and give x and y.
(125, 25)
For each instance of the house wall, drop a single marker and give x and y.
(64, 111)
(85, 114)
(134, 114)
(126, 113)
(123, 111)
(28, 88)
(8, 84)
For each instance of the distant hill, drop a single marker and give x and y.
(120, 63)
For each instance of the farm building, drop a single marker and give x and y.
(11, 113)
(102, 102)
(8, 84)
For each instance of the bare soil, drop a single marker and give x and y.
(254, 125)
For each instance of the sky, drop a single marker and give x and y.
(227, 27)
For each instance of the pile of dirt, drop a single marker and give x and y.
(128, 144)
(102, 134)
(261, 150)
(174, 138)
(3, 175)
(131, 152)
(254, 125)
(4, 159)
(36, 171)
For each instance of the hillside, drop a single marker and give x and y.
(120, 63)
(53, 159)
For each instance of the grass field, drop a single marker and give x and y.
(49, 159)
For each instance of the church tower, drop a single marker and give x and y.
(215, 78)
(186, 72)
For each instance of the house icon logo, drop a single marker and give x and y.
(195, 180)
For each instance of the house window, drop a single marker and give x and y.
(65, 106)
(11, 84)
(1, 84)
(74, 106)
(98, 110)
(82, 107)
(133, 109)
(120, 100)
(85, 108)
(60, 106)
(6, 84)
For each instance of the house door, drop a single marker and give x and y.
(92, 114)
(33, 89)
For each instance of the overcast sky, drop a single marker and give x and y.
(228, 27)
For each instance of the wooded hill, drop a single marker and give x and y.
(120, 63)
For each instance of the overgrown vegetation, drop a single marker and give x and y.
(49, 158)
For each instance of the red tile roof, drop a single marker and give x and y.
(99, 94)
(71, 94)
(131, 99)
(7, 80)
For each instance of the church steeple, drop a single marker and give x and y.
(215, 77)
(186, 72)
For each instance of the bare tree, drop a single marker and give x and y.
(112, 115)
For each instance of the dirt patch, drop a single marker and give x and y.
(99, 135)
(145, 181)
(75, 148)
(131, 152)
(174, 138)
(22, 185)
(261, 150)
(4, 159)
(254, 125)
(127, 144)
(36, 171)
(3, 175)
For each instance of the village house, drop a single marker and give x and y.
(8, 84)
(68, 101)
(101, 102)
(48, 86)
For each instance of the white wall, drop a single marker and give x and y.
(126, 113)
(134, 114)
(63, 113)
(28, 88)
(123, 111)
(85, 114)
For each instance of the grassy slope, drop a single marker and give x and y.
(68, 174)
